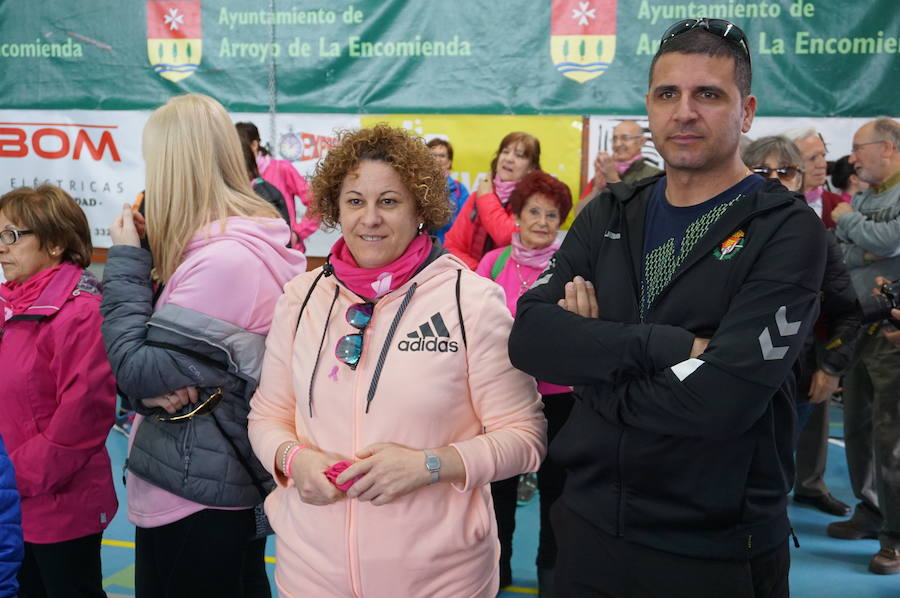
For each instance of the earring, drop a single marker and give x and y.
(421, 226)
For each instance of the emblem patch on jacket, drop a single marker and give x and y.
(730, 247)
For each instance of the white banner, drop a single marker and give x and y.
(95, 156)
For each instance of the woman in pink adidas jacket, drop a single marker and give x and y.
(390, 361)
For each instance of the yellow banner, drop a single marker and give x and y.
(475, 139)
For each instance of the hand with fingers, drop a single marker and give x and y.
(599, 179)
(580, 298)
(840, 209)
(822, 386)
(485, 186)
(607, 167)
(125, 228)
(388, 472)
(173, 401)
(308, 472)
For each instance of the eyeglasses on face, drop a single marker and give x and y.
(721, 27)
(349, 346)
(625, 138)
(9, 236)
(856, 146)
(785, 173)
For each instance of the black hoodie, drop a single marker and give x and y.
(690, 456)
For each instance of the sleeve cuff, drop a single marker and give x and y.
(668, 345)
(474, 457)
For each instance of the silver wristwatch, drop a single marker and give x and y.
(433, 465)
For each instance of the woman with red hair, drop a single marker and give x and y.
(539, 204)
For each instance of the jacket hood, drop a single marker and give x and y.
(267, 238)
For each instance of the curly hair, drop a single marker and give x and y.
(408, 155)
(538, 182)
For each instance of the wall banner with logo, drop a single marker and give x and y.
(810, 57)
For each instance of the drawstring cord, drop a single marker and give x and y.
(337, 291)
(387, 344)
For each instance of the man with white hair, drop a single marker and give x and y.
(870, 230)
(624, 164)
(812, 445)
(815, 170)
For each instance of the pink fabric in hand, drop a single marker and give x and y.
(335, 470)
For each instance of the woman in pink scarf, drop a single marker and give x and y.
(486, 220)
(387, 401)
(58, 395)
(540, 204)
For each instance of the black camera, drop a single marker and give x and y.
(878, 307)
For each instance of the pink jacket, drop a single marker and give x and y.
(285, 177)
(514, 282)
(492, 221)
(234, 275)
(57, 406)
(441, 540)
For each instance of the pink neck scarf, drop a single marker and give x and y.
(262, 162)
(813, 195)
(503, 189)
(20, 295)
(533, 258)
(622, 167)
(373, 283)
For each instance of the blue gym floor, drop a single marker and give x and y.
(821, 568)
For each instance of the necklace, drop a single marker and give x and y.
(525, 284)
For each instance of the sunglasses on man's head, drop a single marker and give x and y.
(349, 346)
(785, 173)
(721, 27)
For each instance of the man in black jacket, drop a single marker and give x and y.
(705, 286)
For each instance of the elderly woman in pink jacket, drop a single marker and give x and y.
(540, 204)
(387, 402)
(58, 395)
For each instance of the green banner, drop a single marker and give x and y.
(810, 57)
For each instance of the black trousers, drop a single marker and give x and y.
(594, 564)
(69, 569)
(205, 554)
(551, 479)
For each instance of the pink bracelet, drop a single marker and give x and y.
(289, 458)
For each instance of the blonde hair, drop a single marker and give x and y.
(195, 175)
